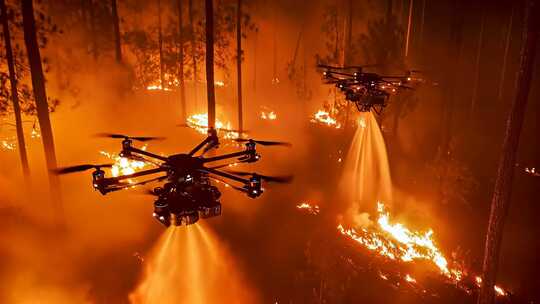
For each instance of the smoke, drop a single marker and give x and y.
(366, 174)
(188, 265)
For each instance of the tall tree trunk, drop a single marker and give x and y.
(505, 174)
(160, 45)
(193, 48)
(42, 107)
(347, 37)
(505, 56)
(14, 92)
(409, 26)
(477, 64)
(239, 63)
(117, 39)
(388, 11)
(93, 33)
(183, 112)
(421, 34)
(210, 90)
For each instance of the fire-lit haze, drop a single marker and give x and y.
(189, 265)
(384, 206)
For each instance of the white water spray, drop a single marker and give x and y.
(366, 175)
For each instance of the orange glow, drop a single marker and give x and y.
(189, 265)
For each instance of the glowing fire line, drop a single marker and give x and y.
(397, 242)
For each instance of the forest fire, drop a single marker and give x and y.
(312, 209)
(7, 145)
(124, 166)
(199, 122)
(397, 242)
(268, 115)
(323, 117)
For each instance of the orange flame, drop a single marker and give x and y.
(324, 117)
(312, 209)
(397, 242)
(199, 122)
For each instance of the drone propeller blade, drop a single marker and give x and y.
(79, 168)
(273, 179)
(227, 184)
(265, 142)
(121, 136)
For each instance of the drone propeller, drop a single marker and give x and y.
(79, 168)
(273, 179)
(264, 142)
(137, 138)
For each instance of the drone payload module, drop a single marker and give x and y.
(187, 193)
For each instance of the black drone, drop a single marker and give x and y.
(187, 192)
(366, 90)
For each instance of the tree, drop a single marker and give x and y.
(505, 174)
(505, 56)
(477, 64)
(182, 85)
(14, 93)
(239, 63)
(191, 14)
(160, 45)
(116, 25)
(42, 107)
(209, 12)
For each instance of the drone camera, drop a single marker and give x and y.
(210, 211)
(162, 213)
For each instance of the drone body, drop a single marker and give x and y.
(187, 193)
(366, 90)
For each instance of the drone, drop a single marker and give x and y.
(187, 192)
(365, 89)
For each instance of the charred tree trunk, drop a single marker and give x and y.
(193, 47)
(117, 39)
(160, 45)
(181, 62)
(503, 185)
(505, 56)
(210, 90)
(14, 92)
(239, 63)
(42, 106)
(477, 64)
(93, 33)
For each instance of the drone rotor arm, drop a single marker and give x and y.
(111, 181)
(145, 153)
(199, 146)
(226, 175)
(226, 156)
